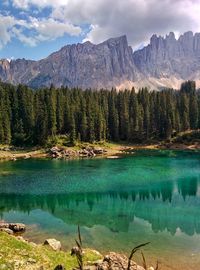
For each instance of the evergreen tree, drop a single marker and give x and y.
(72, 130)
(193, 111)
(31, 117)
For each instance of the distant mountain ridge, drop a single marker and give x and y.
(165, 62)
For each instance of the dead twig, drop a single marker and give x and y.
(134, 250)
(78, 251)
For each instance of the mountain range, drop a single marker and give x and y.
(165, 62)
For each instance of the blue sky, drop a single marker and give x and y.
(33, 29)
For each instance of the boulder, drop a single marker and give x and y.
(17, 227)
(54, 150)
(99, 151)
(53, 243)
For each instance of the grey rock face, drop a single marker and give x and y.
(166, 57)
(165, 61)
(85, 65)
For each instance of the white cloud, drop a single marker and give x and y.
(138, 19)
(6, 24)
(28, 40)
(49, 29)
(25, 4)
(33, 30)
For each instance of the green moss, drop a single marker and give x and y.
(29, 256)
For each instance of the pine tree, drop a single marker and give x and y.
(72, 129)
(193, 111)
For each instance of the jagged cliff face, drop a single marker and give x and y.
(85, 65)
(167, 57)
(164, 62)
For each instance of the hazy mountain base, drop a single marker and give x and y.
(155, 83)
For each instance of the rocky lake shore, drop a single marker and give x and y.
(18, 253)
(110, 150)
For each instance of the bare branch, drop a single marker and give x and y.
(135, 249)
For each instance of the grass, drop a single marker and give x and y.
(16, 254)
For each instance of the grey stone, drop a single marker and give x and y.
(53, 243)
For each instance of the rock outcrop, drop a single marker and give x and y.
(64, 153)
(170, 58)
(84, 65)
(164, 62)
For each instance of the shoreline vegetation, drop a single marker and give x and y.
(110, 152)
(189, 140)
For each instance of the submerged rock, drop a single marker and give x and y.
(53, 243)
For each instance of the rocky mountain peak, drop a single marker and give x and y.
(111, 63)
(171, 36)
(116, 41)
(167, 57)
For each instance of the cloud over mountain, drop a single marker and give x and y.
(33, 22)
(137, 19)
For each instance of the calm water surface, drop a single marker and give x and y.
(119, 203)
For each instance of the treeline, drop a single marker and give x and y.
(29, 117)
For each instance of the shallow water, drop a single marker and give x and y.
(119, 203)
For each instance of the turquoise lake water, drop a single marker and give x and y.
(118, 203)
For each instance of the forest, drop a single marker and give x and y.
(30, 117)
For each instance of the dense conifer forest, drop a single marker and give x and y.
(31, 117)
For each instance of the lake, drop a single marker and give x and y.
(151, 195)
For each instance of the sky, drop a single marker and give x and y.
(33, 29)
